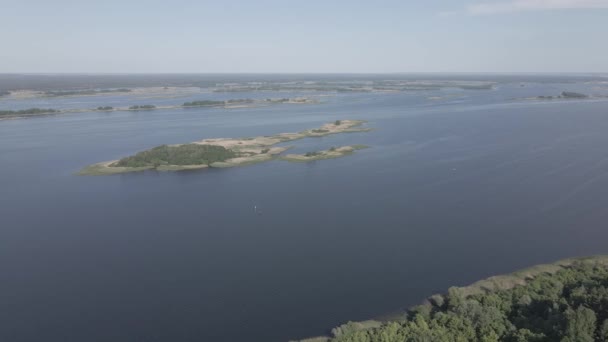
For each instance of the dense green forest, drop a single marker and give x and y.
(189, 154)
(31, 111)
(565, 302)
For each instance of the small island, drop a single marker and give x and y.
(333, 152)
(27, 112)
(227, 152)
(565, 95)
(85, 92)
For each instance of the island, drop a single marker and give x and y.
(227, 152)
(142, 107)
(565, 95)
(27, 112)
(333, 152)
(85, 92)
(564, 301)
(226, 104)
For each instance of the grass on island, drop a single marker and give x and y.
(564, 301)
(142, 107)
(333, 152)
(204, 103)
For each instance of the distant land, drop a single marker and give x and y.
(227, 152)
(228, 104)
(566, 95)
(564, 301)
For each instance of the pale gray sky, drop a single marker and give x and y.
(304, 36)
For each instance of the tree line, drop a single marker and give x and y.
(570, 305)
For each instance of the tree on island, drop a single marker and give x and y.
(142, 107)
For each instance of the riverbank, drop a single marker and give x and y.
(223, 152)
(522, 287)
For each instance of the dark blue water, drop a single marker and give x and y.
(451, 191)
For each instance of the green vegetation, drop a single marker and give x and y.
(4, 93)
(189, 154)
(105, 108)
(566, 301)
(213, 103)
(85, 92)
(331, 153)
(239, 101)
(31, 111)
(573, 95)
(203, 103)
(338, 122)
(143, 107)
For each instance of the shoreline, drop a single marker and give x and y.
(488, 285)
(241, 103)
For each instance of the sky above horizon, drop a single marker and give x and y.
(310, 36)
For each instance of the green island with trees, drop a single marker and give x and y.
(27, 112)
(4, 93)
(566, 301)
(225, 152)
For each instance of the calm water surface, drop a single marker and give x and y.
(451, 191)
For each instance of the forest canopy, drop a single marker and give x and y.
(188, 154)
(570, 305)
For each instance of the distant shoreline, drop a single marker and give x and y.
(227, 104)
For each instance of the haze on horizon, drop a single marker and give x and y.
(272, 36)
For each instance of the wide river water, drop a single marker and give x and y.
(452, 190)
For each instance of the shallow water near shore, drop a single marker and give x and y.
(450, 191)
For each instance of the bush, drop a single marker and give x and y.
(203, 103)
(189, 154)
(142, 107)
(31, 111)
